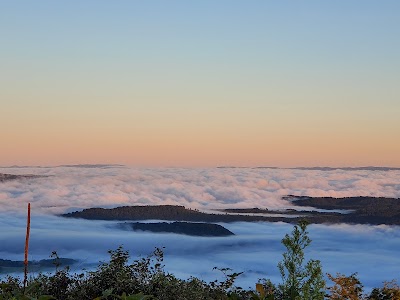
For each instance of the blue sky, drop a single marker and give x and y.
(227, 74)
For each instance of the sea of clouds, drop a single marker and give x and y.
(372, 251)
(67, 188)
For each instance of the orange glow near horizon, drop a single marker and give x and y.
(201, 149)
(205, 83)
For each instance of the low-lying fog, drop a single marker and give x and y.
(372, 251)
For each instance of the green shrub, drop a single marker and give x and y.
(300, 280)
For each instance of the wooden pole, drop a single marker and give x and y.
(28, 229)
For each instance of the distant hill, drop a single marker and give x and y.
(93, 166)
(360, 210)
(7, 177)
(367, 168)
(18, 266)
(187, 228)
(254, 210)
(367, 210)
(158, 212)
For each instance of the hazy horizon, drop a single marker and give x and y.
(106, 165)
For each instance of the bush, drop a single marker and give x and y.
(346, 287)
(389, 291)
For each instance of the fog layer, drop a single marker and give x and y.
(69, 188)
(255, 249)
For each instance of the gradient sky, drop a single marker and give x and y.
(200, 83)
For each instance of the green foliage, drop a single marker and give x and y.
(229, 282)
(301, 280)
(10, 291)
(107, 294)
(143, 279)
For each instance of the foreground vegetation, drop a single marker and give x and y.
(146, 278)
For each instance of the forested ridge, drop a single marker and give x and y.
(363, 210)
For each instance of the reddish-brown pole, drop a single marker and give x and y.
(28, 229)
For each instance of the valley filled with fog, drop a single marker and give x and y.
(255, 249)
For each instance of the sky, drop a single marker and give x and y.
(200, 83)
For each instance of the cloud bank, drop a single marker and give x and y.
(372, 251)
(69, 188)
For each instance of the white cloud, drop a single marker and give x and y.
(194, 188)
(255, 249)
